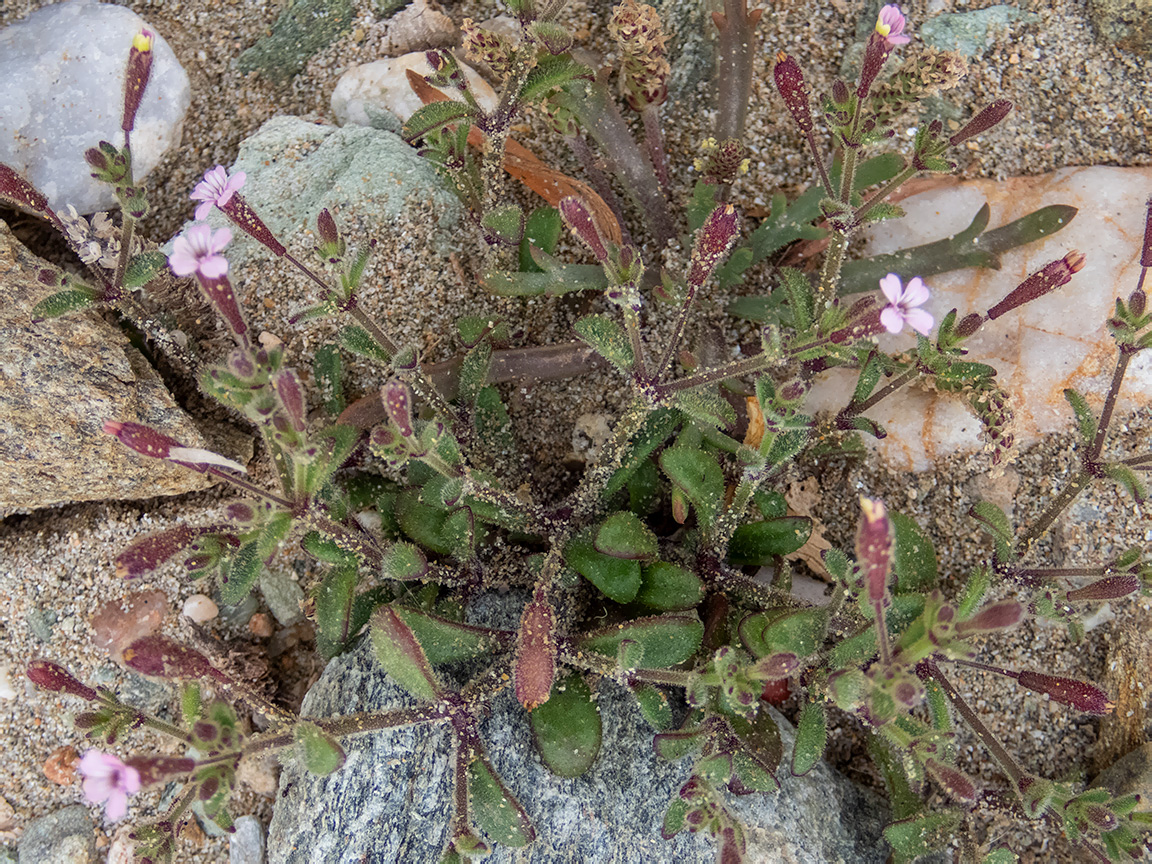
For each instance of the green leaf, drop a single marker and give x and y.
(542, 230)
(658, 425)
(550, 72)
(760, 542)
(811, 738)
(623, 535)
(922, 834)
(606, 338)
(760, 738)
(915, 557)
(697, 474)
(320, 752)
(799, 632)
(446, 641)
(707, 406)
(974, 590)
(1129, 479)
(770, 504)
(669, 588)
(493, 425)
(672, 746)
(993, 520)
(644, 488)
(504, 225)
(702, 204)
(359, 341)
(1000, 856)
(401, 656)
(334, 604)
(143, 268)
(1085, 419)
(654, 705)
(63, 302)
(326, 549)
(497, 812)
(801, 297)
(403, 562)
(328, 373)
(434, 115)
(567, 728)
(674, 818)
(334, 445)
(553, 279)
(617, 578)
(239, 572)
(668, 640)
(424, 524)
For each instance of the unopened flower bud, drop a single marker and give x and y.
(1108, 588)
(398, 405)
(1137, 302)
(49, 676)
(331, 245)
(955, 782)
(136, 79)
(536, 656)
(840, 93)
(874, 547)
(790, 82)
(1079, 694)
(15, 188)
(996, 616)
(1043, 281)
(1146, 249)
(983, 121)
(291, 395)
(580, 221)
(713, 241)
(968, 325)
(1100, 816)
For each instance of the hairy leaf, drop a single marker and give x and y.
(567, 728)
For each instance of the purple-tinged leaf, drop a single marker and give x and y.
(160, 769)
(401, 655)
(497, 811)
(536, 653)
(162, 657)
(995, 616)
(983, 121)
(953, 781)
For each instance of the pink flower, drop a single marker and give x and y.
(107, 779)
(197, 251)
(890, 25)
(217, 187)
(901, 302)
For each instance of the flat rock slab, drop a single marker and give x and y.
(1056, 342)
(59, 381)
(391, 801)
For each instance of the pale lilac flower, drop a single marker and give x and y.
(217, 187)
(108, 780)
(197, 251)
(901, 302)
(890, 25)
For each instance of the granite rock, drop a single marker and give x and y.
(63, 837)
(391, 801)
(246, 845)
(61, 92)
(303, 28)
(59, 381)
(1126, 24)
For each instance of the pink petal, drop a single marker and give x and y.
(918, 320)
(117, 806)
(898, 40)
(892, 288)
(915, 292)
(213, 267)
(202, 210)
(892, 319)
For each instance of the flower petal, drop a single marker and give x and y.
(915, 292)
(892, 319)
(892, 287)
(918, 320)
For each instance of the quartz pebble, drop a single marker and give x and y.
(61, 92)
(60, 766)
(7, 691)
(119, 623)
(200, 608)
(1056, 342)
(363, 91)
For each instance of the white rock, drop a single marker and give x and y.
(363, 90)
(7, 691)
(1053, 343)
(62, 91)
(200, 608)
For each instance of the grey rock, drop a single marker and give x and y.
(246, 845)
(61, 92)
(1129, 774)
(1126, 24)
(63, 837)
(59, 381)
(391, 801)
(301, 30)
(283, 595)
(971, 32)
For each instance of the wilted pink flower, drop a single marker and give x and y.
(902, 300)
(107, 779)
(890, 25)
(197, 250)
(216, 189)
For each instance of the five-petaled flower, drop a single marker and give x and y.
(197, 250)
(890, 25)
(217, 187)
(108, 780)
(902, 300)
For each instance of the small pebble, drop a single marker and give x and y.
(60, 767)
(7, 815)
(7, 691)
(260, 625)
(119, 623)
(200, 608)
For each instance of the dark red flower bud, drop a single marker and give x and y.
(397, 400)
(15, 188)
(955, 782)
(875, 56)
(983, 121)
(166, 658)
(1100, 816)
(148, 553)
(1146, 249)
(996, 616)
(49, 676)
(291, 395)
(840, 92)
(1137, 301)
(536, 655)
(790, 82)
(1043, 281)
(874, 548)
(143, 439)
(713, 241)
(969, 324)
(1068, 691)
(581, 222)
(160, 769)
(240, 512)
(1108, 588)
(136, 79)
(245, 218)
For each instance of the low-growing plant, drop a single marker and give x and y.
(644, 575)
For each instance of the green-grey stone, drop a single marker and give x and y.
(283, 595)
(971, 32)
(304, 28)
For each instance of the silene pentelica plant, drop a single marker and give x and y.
(643, 575)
